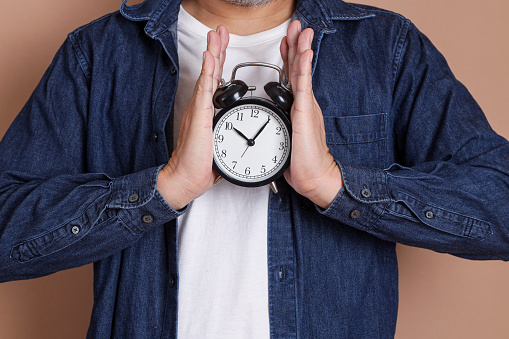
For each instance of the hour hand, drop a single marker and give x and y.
(241, 134)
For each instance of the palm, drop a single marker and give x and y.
(313, 172)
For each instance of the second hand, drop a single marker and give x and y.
(245, 151)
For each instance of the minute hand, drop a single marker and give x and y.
(261, 129)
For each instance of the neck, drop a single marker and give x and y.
(240, 20)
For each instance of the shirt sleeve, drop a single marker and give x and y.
(55, 215)
(448, 190)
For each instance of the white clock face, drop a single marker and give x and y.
(251, 144)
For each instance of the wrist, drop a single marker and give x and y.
(170, 188)
(330, 185)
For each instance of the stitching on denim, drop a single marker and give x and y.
(158, 90)
(380, 132)
(152, 15)
(468, 228)
(78, 50)
(399, 48)
(355, 116)
(379, 216)
(59, 225)
(382, 179)
(367, 9)
(315, 54)
(69, 154)
(33, 248)
(162, 7)
(468, 219)
(154, 22)
(123, 223)
(326, 25)
(104, 17)
(408, 217)
(119, 185)
(363, 13)
(80, 57)
(356, 142)
(415, 218)
(124, 6)
(163, 30)
(384, 148)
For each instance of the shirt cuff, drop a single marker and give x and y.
(141, 206)
(362, 200)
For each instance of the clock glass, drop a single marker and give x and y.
(252, 141)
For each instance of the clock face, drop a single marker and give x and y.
(252, 142)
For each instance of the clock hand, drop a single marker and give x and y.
(241, 134)
(245, 151)
(261, 129)
(250, 142)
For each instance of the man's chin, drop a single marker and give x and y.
(249, 3)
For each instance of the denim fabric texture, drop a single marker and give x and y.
(421, 166)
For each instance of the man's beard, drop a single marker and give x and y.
(249, 3)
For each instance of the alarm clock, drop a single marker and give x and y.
(252, 135)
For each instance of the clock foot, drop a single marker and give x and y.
(218, 179)
(273, 186)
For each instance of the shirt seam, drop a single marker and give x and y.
(80, 57)
(400, 47)
(468, 222)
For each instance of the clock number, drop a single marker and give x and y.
(229, 126)
(281, 146)
(223, 153)
(220, 138)
(247, 171)
(274, 160)
(240, 116)
(263, 170)
(234, 164)
(254, 113)
(278, 130)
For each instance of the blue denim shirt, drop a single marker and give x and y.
(420, 163)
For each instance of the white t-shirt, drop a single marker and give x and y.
(222, 239)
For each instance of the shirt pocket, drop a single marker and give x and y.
(357, 140)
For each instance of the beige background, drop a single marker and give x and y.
(441, 296)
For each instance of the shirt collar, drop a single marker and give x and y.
(161, 14)
(322, 13)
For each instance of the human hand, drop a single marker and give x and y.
(189, 172)
(313, 172)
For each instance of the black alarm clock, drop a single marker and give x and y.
(252, 136)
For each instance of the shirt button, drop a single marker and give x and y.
(429, 214)
(173, 70)
(355, 214)
(147, 219)
(75, 230)
(155, 137)
(172, 282)
(134, 197)
(366, 193)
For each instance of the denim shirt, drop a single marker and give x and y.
(420, 163)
